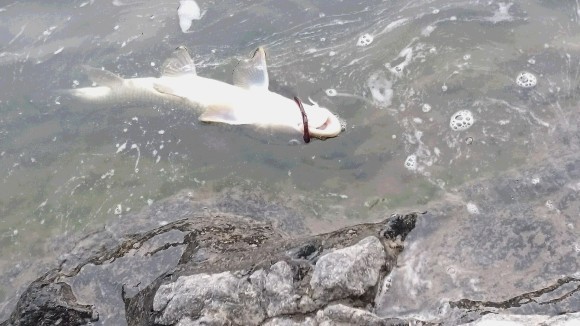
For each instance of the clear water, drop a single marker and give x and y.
(397, 72)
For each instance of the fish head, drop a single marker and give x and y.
(322, 123)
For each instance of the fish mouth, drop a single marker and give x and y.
(325, 124)
(331, 127)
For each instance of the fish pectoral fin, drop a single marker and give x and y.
(166, 89)
(252, 73)
(218, 113)
(178, 64)
(102, 77)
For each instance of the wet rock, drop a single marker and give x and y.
(341, 314)
(215, 299)
(232, 270)
(308, 321)
(524, 320)
(49, 303)
(285, 281)
(277, 288)
(349, 271)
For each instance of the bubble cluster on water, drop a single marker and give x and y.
(461, 120)
(526, 80)
(331, 92)
(342, 122)
(381, 88)
(118, 209)
(365, 40)
(426, 107)
(411, 162)
(472, 208)
(427, 30)
(407, 55)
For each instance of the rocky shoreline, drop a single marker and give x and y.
(232, 270)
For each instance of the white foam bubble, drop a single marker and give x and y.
(331, 92)
(407, 54)
(472, 208)
(426, 107)
(380, 88)
(550, 205)
(526, 80)
(427, 30)
(365, 40)
(502, 13)
(188, 11)
(121, 147)
(118, 209)
(461, 120)
(411, 162)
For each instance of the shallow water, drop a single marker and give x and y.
(405, 76)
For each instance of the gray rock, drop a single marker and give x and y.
(277, 289)
(47, 302)
(269, 281)
(349, 271)
(230, 270)
(308, 321)
(526, 320)
(344, 315)
(214, 298)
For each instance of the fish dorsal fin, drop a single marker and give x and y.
(102, 77)
(178, 64)
(252, 73)
(219, 113)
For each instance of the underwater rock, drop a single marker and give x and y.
(46, 302)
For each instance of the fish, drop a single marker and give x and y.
(246, 102)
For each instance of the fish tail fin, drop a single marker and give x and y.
(86, 94)
(104, 82)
